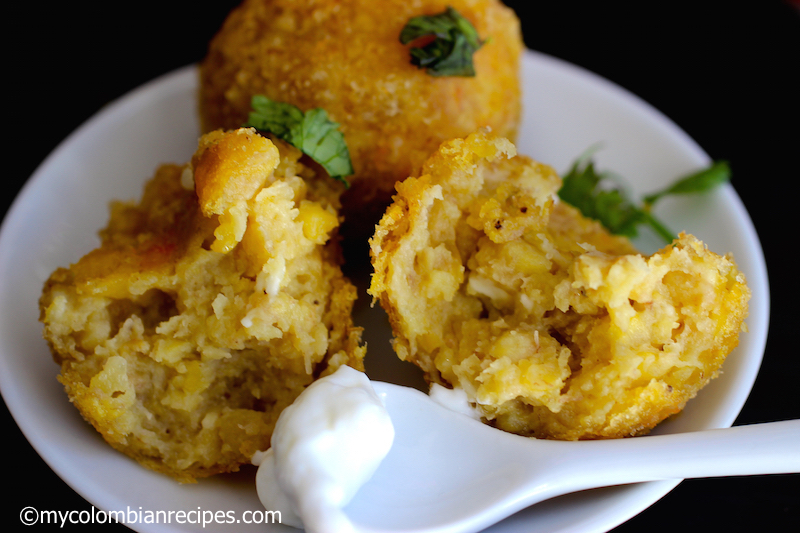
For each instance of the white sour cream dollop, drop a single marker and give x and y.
(325, 446)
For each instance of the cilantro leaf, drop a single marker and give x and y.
(611, 206)
(716, 174)
(454, 42)
(312, 132)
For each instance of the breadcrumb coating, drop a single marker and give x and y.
(345, 56)
(208, 307)
(552, 326)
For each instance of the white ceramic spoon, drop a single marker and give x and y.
(449, 473)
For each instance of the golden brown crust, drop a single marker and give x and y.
(231, 168)
(334, 55)
(552, 326)
(183, 336)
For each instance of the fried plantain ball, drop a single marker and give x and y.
(553, 327)
(208, 307)
(345, 56)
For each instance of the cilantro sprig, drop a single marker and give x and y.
(454, 42)
(586, 189)
(312, 132)
(716, 174)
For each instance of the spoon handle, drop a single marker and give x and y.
(769, 448)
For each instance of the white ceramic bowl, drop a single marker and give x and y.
(55, 218)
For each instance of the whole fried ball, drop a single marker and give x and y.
(345, 56)
(553, 327)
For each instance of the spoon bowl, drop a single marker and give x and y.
(447, 472)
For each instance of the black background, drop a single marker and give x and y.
(726, 72)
